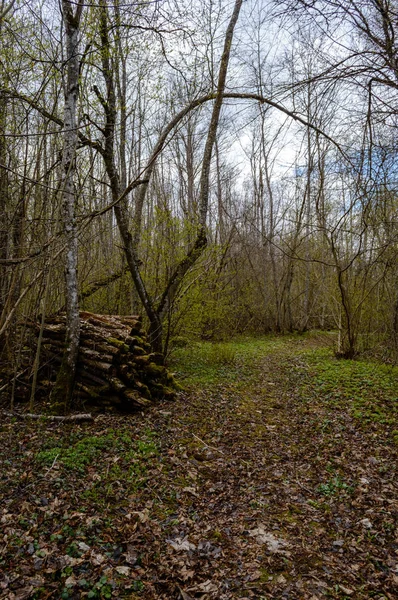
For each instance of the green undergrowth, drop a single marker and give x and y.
(76, 452)
(368, 387)
(217, 363)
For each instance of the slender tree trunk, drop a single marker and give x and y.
(120, 209)
(200, 242)
(155, 315)
(4, 234)
(61, 395)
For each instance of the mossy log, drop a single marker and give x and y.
(115, 366)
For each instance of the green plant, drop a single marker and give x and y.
(369, 388)
(77, 453)
(222, 354)
(138, 586)
(334, 486)
(147, 448)
(78, 456)
(101, 589)
(73, 551)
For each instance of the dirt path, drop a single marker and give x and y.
(254, 488)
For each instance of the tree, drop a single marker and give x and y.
(156, 313)
(63, 389)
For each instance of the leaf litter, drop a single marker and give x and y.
(249, 488)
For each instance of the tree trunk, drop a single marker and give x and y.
(62, 392)
(200, 242)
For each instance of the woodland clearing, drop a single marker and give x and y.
(273, 475)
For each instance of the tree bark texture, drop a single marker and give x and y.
(115, 367)
(62, 392)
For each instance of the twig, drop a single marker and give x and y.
(207, 445)
(54, 461)
(66, 419)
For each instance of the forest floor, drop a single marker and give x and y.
(273, 475)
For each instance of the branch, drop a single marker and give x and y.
(67, 419)
(100, 283)
(85, 141)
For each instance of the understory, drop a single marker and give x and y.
(273, 475)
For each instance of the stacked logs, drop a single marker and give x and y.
(115, 366)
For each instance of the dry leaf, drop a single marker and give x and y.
(143, 515)
(184, 595)
(366, 523)
(123, 570)
(181, 544)
(190, 490)
(255, 575)
(186, 573)
(97, 559)
(346, 590)
(83, 547)
(273, 543)
(131, 555)
(206, 587)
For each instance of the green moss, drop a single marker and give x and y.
(138, 351)
(155, 370)
(266, 576)
(138, 342)
(118, 344)
(142, 389)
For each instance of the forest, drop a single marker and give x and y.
(198, 299)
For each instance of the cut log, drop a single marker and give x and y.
(115, 367)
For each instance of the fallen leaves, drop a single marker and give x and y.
(181, 545)
(273, 543)
(284, 497)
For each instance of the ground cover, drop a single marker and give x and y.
(273, 475)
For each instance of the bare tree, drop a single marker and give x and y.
(63, 389)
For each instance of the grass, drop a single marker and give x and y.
(368, 387)
(208, 363)
(77, 453)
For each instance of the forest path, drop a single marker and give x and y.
(262, 480)
(291, 490)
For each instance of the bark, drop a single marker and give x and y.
(200, 242)
(120, 206)
(4, 279)
(62, 392)
(115, 365)
(66, 419)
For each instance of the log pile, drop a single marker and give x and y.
(115, 367)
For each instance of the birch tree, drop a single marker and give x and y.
(62, 392)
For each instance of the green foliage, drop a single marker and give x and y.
(334, 486)
(78, 456)
(102, 589)
(370, 387)
(179, 341)
(77, 453)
